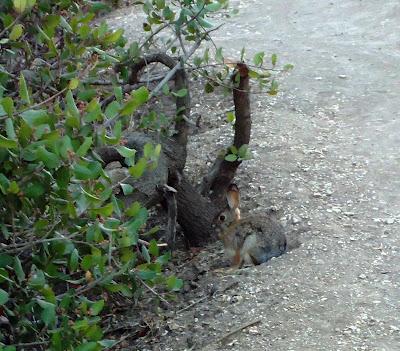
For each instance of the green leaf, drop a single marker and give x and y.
(253, 74)
(5, 260)
(9, 348)
(127, 189)
(23, 89)
(157, 150)
(8, 105)
(168, 14)
(112, 109)
(87, 262)
(107, 343)
(63, 176)
(273, 90)
(197, 61)
(242, 54)
(49, 159)
(218, 56)
(134, 209)
(83, 149)
(160, 4)
(180, 93)
(71, 106)
(4, 276)
(173, 283)
(243, 151)
(213, 7)
(35, 118)
(126, 152)
(48, 315)
(4, 185)
(10, 129)
(209, 88)
(206, 56)
(73, 260)
(73, 83)
(288, 67)
(93, 111)
(105, 211)
(163, 259)
(204, 23)
(106, 56)
(16, 32)
(145, 254)
(87, 346)
(230, 117)
(153, 248)
(13, 188)
(19, 270)
(274, 58)
(138, 98)
(56, 341)
(22, 5)
(7, 143)
(233, 149)
(138, 169)
(113, 37)
(94, 333)
(97, 307)
(118, 93)
(231, 158)
(3, 297)
(87, 170)
(258, 58)
(148, 150)
(37, 279)
(165, 89)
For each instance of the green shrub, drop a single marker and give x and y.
(67, 243)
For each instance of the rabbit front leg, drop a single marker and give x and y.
(237, 260)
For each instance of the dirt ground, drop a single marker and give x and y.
(326, 151)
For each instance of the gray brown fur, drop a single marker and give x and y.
(250, 240)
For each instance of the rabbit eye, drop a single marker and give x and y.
(222, 218)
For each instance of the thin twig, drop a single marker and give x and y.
(154, 292)
(181, 42)
(120, 340)
(146, 243)
(238, 329)
(158, 30)
(38, 104)
(121, 181)
(192, 304)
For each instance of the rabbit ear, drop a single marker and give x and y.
(233, 196)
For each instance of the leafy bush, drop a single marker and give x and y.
(67, 243)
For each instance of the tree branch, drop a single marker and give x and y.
(222, 172)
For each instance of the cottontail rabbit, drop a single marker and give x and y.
(251, 240)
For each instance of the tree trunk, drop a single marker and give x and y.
(195, 214)
(196, 211)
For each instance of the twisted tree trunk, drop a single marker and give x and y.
(195, 210)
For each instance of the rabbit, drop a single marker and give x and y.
(251, 240)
